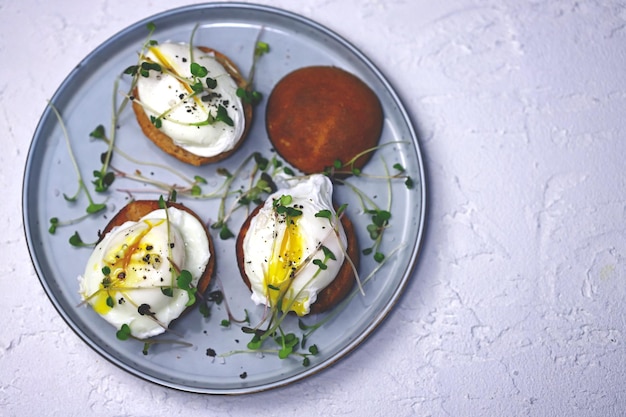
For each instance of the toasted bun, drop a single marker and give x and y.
(317, 115)
(135, 210)
(333, 293)
(166, 143)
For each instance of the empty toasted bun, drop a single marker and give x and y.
(166, 143)
(135, 210)
(333, 293)
(317, 115)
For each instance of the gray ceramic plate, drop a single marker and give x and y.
(84, 100)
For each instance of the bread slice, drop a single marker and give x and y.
(137, 209)
(337, 290)
(168, 145)
(319, 114)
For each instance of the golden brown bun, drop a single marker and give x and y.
(166, 143)
(317, 115)
(135, 210)
(333, 293)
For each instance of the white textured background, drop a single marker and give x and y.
(516, 306)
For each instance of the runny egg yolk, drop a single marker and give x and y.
(129, 263)
(165, 62)
(287, 254)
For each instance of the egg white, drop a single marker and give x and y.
(186, 244)
(310, 195)
(161, 93)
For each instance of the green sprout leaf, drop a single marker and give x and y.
(261, 161)
(222, 116)
(381, 217)
(156, 121)
(211, 83)
(320, 264)
(98, 132)
(249, 97)
(131, 70)
(197, 87)
(373, 230)
(326, 214)
(76, 240)
(261, 48)
(54, 222)
(226, 233)
(162, 203)
(204, 309)
(255, 343)
(224, 172)
(199, 179)
(198, 70)
(124, 332)
(183, 282)
(328, 254)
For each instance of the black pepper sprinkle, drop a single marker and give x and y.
(243, 375)
(149, 247)
(211, 353)
(144, 309)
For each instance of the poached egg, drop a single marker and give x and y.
(290, 258)
(131, 266)
(188, 118)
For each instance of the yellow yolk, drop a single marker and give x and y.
(163, 61)
(286, 257)
(126, 263)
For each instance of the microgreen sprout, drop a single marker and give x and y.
(77, 241)
(55, 222)
(247, 94)
(184, 282)
(124, 333)
(261, 183)
(93, 207)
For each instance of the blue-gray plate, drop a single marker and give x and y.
(84, 101)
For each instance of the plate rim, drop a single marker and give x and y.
(350, 346)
